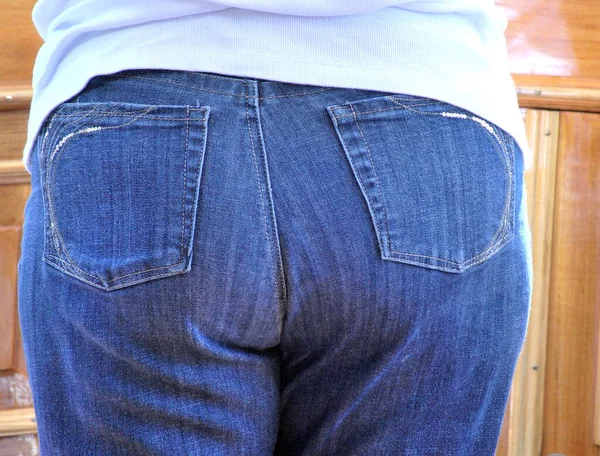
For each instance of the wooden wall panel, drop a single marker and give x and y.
(554, 37)
(522, 426)
(574, 291)
(17, 421)
(19, 40)
(15, 394)
(12, 203)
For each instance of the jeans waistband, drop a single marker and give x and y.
(239, 86)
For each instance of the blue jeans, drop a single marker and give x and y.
(219, 265)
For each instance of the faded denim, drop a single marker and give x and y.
(221, 265)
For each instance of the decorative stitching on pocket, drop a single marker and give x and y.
(502, 234)
(50, 173)
(503, 231)
(50, 159)
(62, 127)
(394, 108)
(54, 235)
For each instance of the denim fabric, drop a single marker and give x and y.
(220, 265)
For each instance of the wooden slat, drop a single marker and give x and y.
(13, 172)
(13, 133)
(559, 98)
(571, 356)
(9, 246)
(17, 421)
(15, 95)
(19, 363)
(555, 81)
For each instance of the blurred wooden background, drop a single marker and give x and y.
(554, 48)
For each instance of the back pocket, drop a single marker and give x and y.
(439, 181)
(120, 183)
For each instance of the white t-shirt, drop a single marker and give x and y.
(450, 50)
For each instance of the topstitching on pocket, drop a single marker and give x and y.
(120, 183)
(438, 181)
